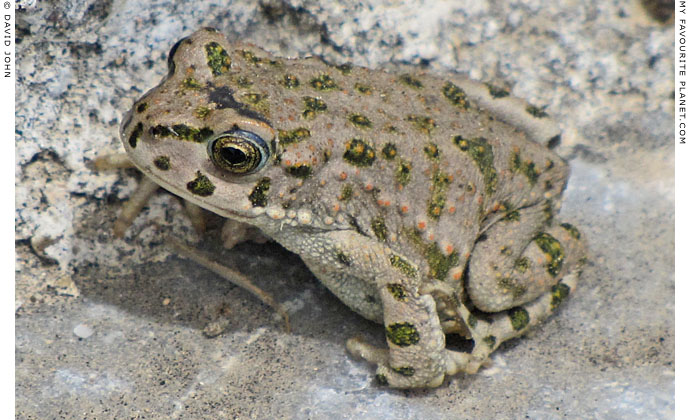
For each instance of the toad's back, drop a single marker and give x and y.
(384, 153)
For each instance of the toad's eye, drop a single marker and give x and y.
(238, 151)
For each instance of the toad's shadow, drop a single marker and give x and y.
(179, 291)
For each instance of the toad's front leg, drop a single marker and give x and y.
(416, 344)
(416, 356)
(360, 270)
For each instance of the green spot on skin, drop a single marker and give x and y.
(323, 82)
(290, 81)
(363, 89)
(182, 131)
(252, 98)
(312, 106)
(559, 292)
(403, 172)
(497, 92)
(553, 250)
(519, 318)
(191, 83)
(345, 68)
(389, 151)
(536, 112)
(359, 153)
(404, 371)
(515, 289)
(217, 58)
(250, 57)
(403, 265)
(402, 334)
(359, 120)
(522, 265)
(397, 291)
(256, 101)
(162, 163)
(286, 137)
(186, 132)
(258, 195)
(161, 131)
(455, 95)
(201, 185)
(511, 214)
(490, 341)
(572, 230)
(300, 170)
(431, 151)
(411, 81)
(244, 82)
(378, 225)
(202, 112)
(472, 321)
(527, 168)
(482, 153)
(530, 171)
(437, 202)
(422, 123)
(344, 259)
(515, 162)
(439, 263)
(142, 107)
(345, 193)
(136, 133)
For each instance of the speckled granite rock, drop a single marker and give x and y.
(604, 71)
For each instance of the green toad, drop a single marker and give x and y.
(424, 203)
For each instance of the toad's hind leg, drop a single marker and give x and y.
(490, 330)
(520, 257)
(520, 288)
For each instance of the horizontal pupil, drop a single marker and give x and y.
(238, 152)
(233, 155)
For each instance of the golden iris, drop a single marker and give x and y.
(240, 152)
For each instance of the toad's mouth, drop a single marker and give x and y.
(209, 202)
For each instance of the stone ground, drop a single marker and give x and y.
(112, 329)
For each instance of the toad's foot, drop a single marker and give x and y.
(488, 332)
(454, 362)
